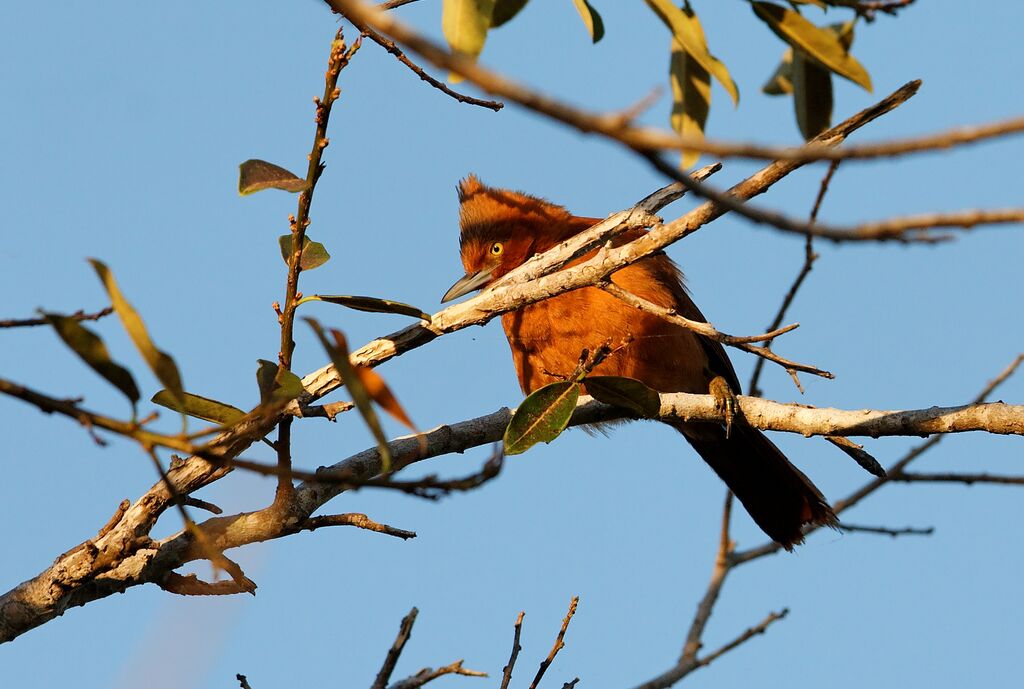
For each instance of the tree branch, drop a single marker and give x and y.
(32, 322)
(391, 659)
(354, 519)
(645, 138)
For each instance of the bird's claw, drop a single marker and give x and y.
(725, 401)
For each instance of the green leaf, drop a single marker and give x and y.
(591, 19)
(93, 352)
(691, 97)
(465, 24)
(159, 362)
(812, 95)
(314, 254)
(276, 384)
(820, 43)
(626, 393)
(542, 416)
(200, 407)
(256, 175)
(781, 83)
(371, 304)
(505, 10)
(687, 30)
(338, 352)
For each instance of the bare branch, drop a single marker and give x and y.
(390, 46)
(391, 659)
(354, 519)
(886, 531)
(191, 585)
(745, 636)
(700, 327)
(427, 674)
(392, 4)
(32, 322)
(559, 643)
(506, 672)
(809, 258)
(967, 479)
(858, 453)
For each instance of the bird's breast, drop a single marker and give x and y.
(548, 338)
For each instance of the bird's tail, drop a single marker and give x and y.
(776, 494)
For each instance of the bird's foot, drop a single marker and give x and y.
(725, 401)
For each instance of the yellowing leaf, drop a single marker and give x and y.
(314, 254)
(781, 83)
(371, 304)
(591, 19)
(338, 352)
(200, 407)
(505, 10)
(691, 97)
(256, 175)
(812, 95)
(687, 30)
(542, 416)
(276, 384)
(159, 362)
(822, 44)
(380, 393)
(465, 24)
(93, 352)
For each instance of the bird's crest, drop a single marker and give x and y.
(483, 208)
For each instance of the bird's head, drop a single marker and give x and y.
(500, 229)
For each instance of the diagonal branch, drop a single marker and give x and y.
(389, 45)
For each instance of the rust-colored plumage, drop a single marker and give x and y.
(500, 229)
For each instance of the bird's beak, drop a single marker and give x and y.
(468, 283)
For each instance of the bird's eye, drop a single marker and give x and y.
(497, 248)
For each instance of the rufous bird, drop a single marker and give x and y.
(501, 229)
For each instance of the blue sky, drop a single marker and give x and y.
(123, 125)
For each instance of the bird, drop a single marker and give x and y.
(500, 229)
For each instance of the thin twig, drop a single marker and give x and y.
(887, 531)
(967, 479)
(506, 672)
(858, 453)
(391, 659)
(243, 682)
(389, 45)
(427, 675)
(392, 4)
(745, 636)
(700, 327)
(191, 585)
(559, 643)
(867, 9)
(809, 258)
(354, 519)
(77, 315)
